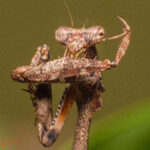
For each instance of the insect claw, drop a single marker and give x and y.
(126, 30)
(118, 17)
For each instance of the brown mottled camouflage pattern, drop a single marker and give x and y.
(84, 77)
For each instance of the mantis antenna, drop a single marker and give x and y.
(69, 13)
(94, 11)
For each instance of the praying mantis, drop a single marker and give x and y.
(83, 75)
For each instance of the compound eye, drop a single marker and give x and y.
(62, 34)
(101, 34)
(95, 34)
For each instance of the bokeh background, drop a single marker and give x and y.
(124, 121)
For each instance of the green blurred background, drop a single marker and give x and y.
(124, 121)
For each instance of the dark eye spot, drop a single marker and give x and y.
(101, 33)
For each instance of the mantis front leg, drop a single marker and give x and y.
(48, 129)
(41, 94)
(122, 47)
